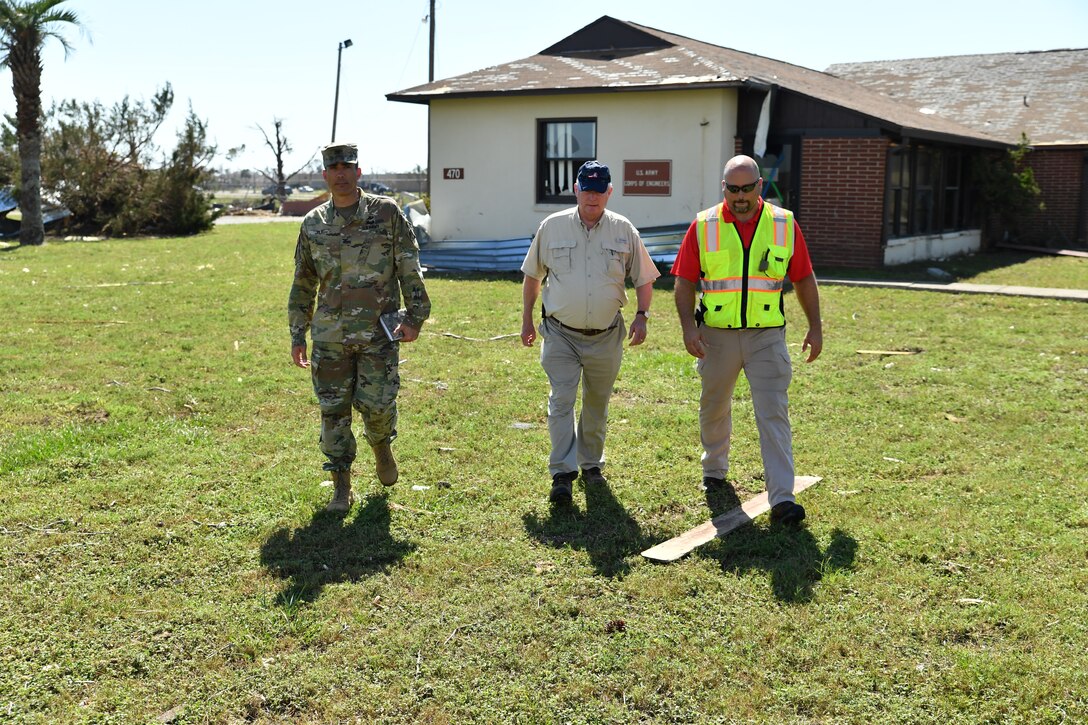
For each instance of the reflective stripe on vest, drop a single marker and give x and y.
(712, 235)
(781, 219)
(736, 284)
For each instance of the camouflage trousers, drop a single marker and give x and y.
(354, 376)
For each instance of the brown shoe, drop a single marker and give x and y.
(342, 496)
(385, 464)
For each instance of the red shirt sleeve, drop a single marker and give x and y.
(800, 263)
(686, 264)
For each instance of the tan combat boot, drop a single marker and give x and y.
(342, 497)
(385, 464)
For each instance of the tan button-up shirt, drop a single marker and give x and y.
(584, 270)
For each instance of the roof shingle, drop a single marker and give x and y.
(574, 65)
(1043, 94)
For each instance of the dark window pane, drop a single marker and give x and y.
(562, 147)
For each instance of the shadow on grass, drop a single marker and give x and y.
(333, 548)
(720, 499)
(605, 531)
(791, 556)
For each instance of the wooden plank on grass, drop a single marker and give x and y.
(676, 547)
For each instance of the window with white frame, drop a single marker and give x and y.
(563, 145)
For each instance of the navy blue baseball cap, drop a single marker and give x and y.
(594, 176)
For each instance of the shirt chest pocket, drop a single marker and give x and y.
(557, 255)
(616, 253)
(326, 256)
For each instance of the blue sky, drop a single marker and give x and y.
(241, 63)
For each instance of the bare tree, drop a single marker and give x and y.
(280, 148)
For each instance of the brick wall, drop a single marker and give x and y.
(1059, 175)
(842, 200)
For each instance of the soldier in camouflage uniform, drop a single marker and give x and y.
(358, 254)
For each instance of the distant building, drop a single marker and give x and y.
(666, 112)
(1042, 95)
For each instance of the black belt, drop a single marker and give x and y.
(590, 333)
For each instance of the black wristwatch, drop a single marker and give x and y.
(644, 313)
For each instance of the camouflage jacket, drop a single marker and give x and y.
(358, 270)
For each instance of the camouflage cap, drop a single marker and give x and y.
(340, 153)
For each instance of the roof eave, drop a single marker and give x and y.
(426, 97)
(944, 137)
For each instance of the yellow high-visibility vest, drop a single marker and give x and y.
(743, 287)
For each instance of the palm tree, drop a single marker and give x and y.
(24, 27)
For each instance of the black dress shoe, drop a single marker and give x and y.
(594, 477)
(562, 486)
(787, 513)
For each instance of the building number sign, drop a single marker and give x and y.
(453, 174)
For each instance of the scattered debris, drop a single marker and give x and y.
(114, 284)
(398, 507)
(170, 715)
(954, 419)
(479, 339)
(615, 625)
(220, 525)
(523, 426)
(78, 322)
(970, 601)
(893, 460)
(911, 351)
(439, 385)
(938, 273)
(419, 487)
(457, 629)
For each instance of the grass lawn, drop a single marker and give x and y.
(164, 554)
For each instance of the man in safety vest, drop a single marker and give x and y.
(739, 254)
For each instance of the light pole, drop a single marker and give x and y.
(336, 100)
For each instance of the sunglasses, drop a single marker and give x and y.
(734, 189)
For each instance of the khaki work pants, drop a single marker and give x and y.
(568, 358)
(765, 360)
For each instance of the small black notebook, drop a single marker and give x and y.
(390, 320)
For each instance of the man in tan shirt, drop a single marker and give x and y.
(581, 258)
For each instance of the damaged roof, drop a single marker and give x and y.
(1043, 94)
(611, 55)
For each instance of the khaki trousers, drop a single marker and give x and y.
(762, 355)
(569, 357)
